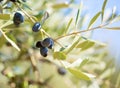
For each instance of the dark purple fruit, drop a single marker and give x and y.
(18, 18)
(62, 71)
(36, 27)
(14, 0)
(38, 44)
(44, 51)
(1, 0)
(47, 42)
(51, 45)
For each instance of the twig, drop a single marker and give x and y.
(74, 33)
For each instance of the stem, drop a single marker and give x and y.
(45, 33)
(74, 33)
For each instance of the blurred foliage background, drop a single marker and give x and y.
(85, 63)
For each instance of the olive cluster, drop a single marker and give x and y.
(44, 45)
(19, 18)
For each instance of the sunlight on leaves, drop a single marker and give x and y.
(78, 74)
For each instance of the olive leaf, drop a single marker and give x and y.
(69, 23)
(60, 5)
(94, 19)
(103, 8)
(79, 74)
(59, 55)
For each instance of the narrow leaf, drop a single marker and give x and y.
(59, 55)
(1, 9)
(5, 16)
(40, 14)
(84, 62)
(94, 19)
(114, 14)
(79, 74)
(26, 6)
(103, 8)
(73, 46)
(10, 41)
(85, 45)
(60, 5)
(69, 23)
(78, 12)
(116, 19)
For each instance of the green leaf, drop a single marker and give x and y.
(7, 24)
(114, 14)
(10, 41)
(26, 6)
(78, 12)
(72, 46)
(84, 62)
(40, 14)
(5, 16)
(69, 23)
(85, 45)
(106, 74)
(60, 5)
(94, 19)
(78, 74)
(112, 28)
(103, 8)
(59, 55)
(3, 40)
(1, 9)
(116, 19)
